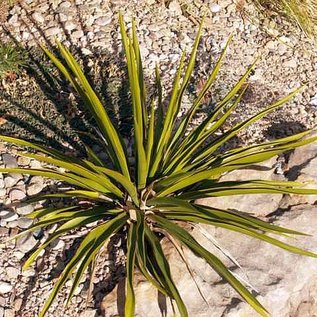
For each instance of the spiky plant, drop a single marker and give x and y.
(11, 59)
(154, 196)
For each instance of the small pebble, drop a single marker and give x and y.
(5, 287)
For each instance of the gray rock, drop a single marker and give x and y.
(8, 216)
(9, 160)
(214, 8)
(3, 192)
(5, 287)
(103, 20)
(52, 31)
(89, 313)
(23, 161)
(57, 244)
(70, 25)
(34, 188)
(258, 204)
(24, 223)
(11, 180)
(284, 280)
(26, 243)
(24, 209)
(78, 34)
(16, 194)
(38, 17)
(302, 166)
(12, 272)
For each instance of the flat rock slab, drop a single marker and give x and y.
(286, 282)
(259, 205)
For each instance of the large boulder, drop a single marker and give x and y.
(284, 281)
(258, 204)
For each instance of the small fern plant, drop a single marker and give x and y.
(153, 195)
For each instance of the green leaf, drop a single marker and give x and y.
(66, 177)
(125, 182)
(163, 270)
(185, 238)
(248, 187)
(182, 128)
(129, 308)
(201, 134)
(89, 246)
(79, 170)
(175, 206)
(138, 100)
(168, 120)
(82, 86)
(213, 146)
(64, 228)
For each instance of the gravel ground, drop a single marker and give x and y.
(286, 60)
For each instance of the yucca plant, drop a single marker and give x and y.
(154, 196)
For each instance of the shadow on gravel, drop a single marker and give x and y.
(283, 128)
(49, 111)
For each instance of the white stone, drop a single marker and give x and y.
(16, 195)
(63, 17)
(175, 7)
(26, 243)
(52, 31)
(69, 26)
(86, 51)
(65, 5)
(11, 179)
(103, 20)
(214, 8)
(313, 101)
(24, 223)
(24, 209)
(12, 272)
(38, 17)
(291, 63)
(5, 287)
(8, 216)
(77, 34)
(3, 192)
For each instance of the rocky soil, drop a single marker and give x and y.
(285, 282)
